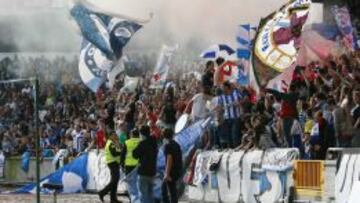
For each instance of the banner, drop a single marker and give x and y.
(308, 53)
(251, 177)
(104, 38)
(163, 65)
(278, 40)
(343, 21)
(347, 183)
(187, 139)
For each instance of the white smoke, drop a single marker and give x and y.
(45, 24)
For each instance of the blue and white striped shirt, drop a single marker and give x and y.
(79, 142)
(228, 103)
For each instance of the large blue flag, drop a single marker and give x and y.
(73, 176)
(104, 38)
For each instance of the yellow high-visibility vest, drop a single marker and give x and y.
(131, 145)
(109, 158)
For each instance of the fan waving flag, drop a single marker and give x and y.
(104, 38)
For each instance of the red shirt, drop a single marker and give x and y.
(155, 131)
(152, 117)
(100, 139)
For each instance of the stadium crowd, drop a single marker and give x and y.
(320, 109)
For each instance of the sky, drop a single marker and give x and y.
(45, 25)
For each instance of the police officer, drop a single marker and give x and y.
(129, 163)
(112, 157)
(127, 157)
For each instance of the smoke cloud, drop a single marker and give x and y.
(45, 25)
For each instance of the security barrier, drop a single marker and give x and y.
(309, 175)
(309, 180)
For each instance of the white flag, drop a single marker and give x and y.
(163, 65)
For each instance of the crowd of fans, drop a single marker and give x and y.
(320, 109)
(71, 116)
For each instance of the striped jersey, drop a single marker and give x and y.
(79, 142)
(227, 102)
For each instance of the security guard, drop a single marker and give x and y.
(127, 158)
(112, 157)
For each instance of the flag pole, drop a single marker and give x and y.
(37, 145)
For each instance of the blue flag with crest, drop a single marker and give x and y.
(104, 38)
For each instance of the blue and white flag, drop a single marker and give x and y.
(187, 139)
(104, 39)
(243, 51)
(74, 178)
(218, 50)
(93, 28)
(244, 42)
(93, 66)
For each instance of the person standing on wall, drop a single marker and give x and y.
(173, 167)
(146, 152)
(112, 157)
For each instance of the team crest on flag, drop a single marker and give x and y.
(104, 38)
(277, 42)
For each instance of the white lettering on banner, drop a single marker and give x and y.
(254, 177)
(347, 181)
(230, 182)
(265, 40)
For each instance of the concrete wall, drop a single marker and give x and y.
(14, 173)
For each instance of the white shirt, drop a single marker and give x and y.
(315, 130)
(296, 128)
(199, 109)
